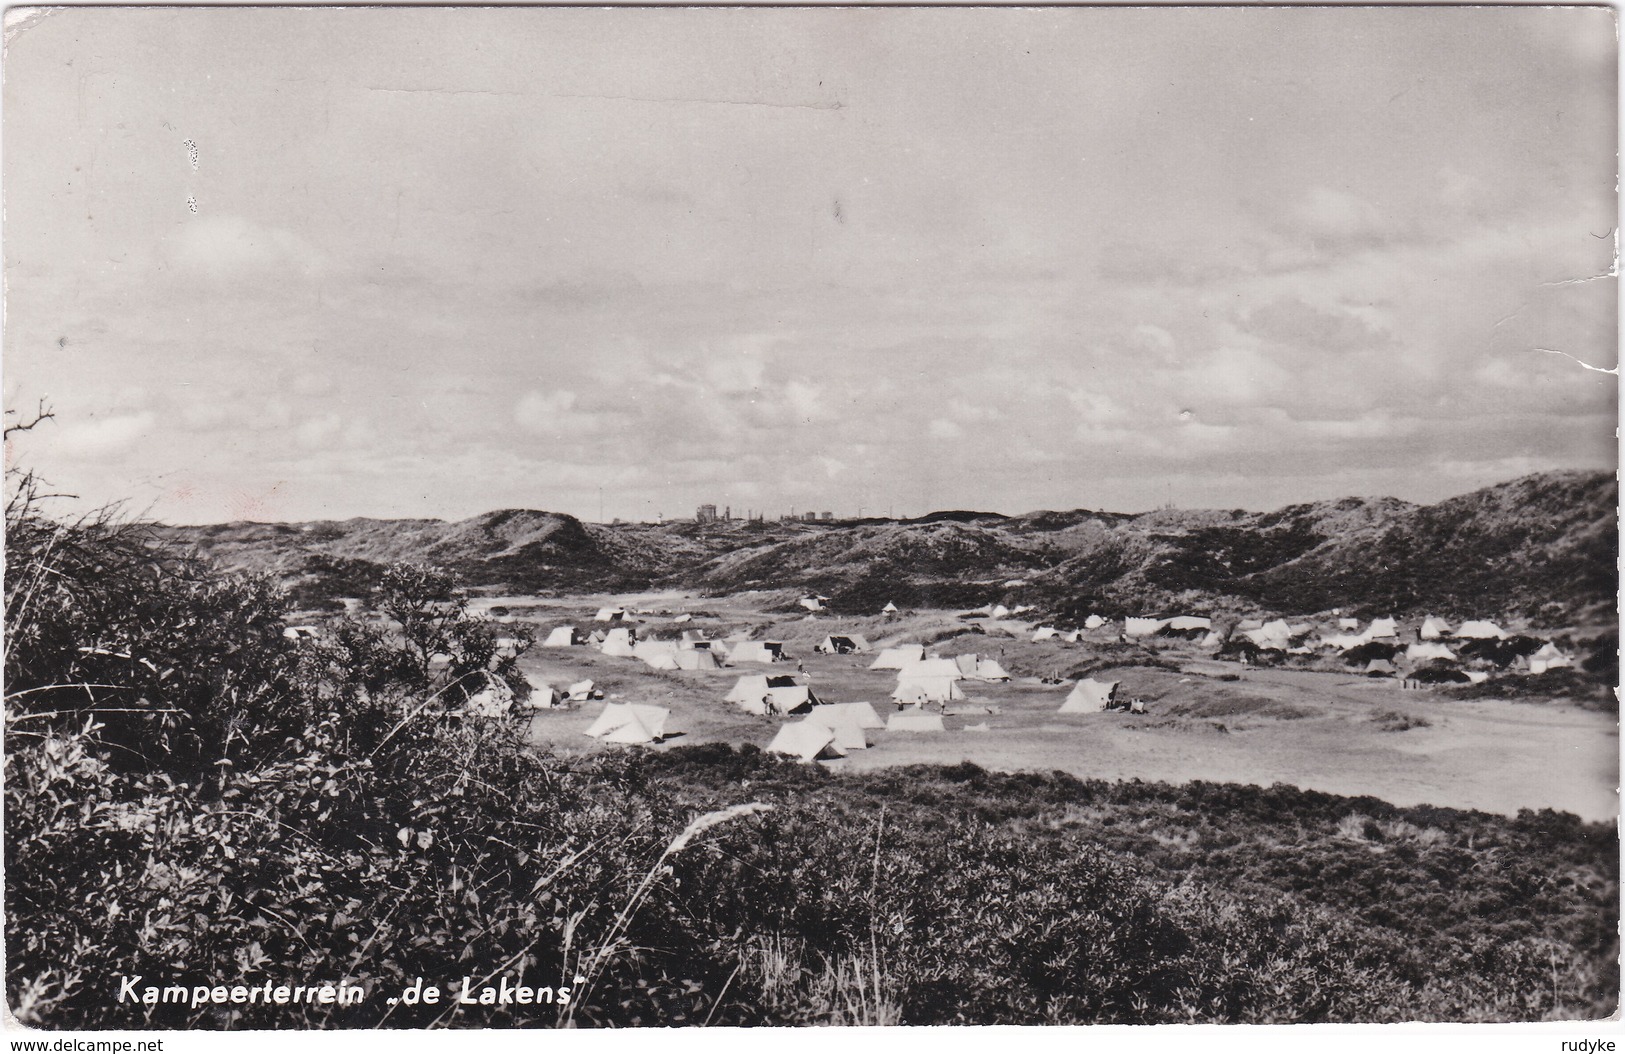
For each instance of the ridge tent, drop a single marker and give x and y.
(493, 701)
(1424, 652)
(844, 724)
(895, 658)
(1142, 627)
(562, 637)
(663, 660)
(697, 659)
(841, 645)
(813, 604)
(643, 649)
(630, 723)
(1273, 634)
(542, 697)
(1433, 629)
(1071, 637)
(1342, 641)
(806, 741)
(966, 664)
(618, 644)
(1213, 639)
(999, 611)
(581, 691)
(1089, 696)
(1381, 629)
(1348, 623)
(684, 617)
(609, 615)
(596, 637)
(759, 694)
(862, 714)
(914, 721)
(764, 651)
(889, 609)
(1379, 667)
(1093, 622)
(1478, 630)
(1548, 658)
(1045, 633)
(1185, 623)
(926, 688)
(990, 670)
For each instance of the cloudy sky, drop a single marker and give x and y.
(320, 264)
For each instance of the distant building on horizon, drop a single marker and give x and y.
(706, 514)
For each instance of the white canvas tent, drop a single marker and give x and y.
(990, 670)
(1089, 696)
(1348, 623)
(609, 615)
(561, 637)
(581, 691)
(491, 702)
(1186, 623)
(1142, 627)
(1273, 634)
(999, 611)
(542, 697)
(1479, 630)
(841, 644)
(843, 723)
(697, 659)
(630, 723)
(1045, 633)
(914, 721)
(1433, 628)
(1381, 629)
(889, 609)
(928, 681)
(618, 644)
(976, 669)
(1426, 651)
(763, 651)
(760, 694)
(812, 604)
(806, 741)
(895, 658)
(650, 650)
(1342, 641)
(862, 714)
(1093, 622)
(1548, 658)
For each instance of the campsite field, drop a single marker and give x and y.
(1209, 720)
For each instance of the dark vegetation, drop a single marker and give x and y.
(192, 797)
(1541, 548)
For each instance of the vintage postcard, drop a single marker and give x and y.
(535, 517)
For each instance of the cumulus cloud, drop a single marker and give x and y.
(103, 435)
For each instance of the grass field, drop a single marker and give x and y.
(1328, 731)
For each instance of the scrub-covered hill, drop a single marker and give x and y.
(1542, 547)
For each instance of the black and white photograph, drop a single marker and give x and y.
(701, 517)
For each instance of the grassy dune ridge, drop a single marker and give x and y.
(1542, 547)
